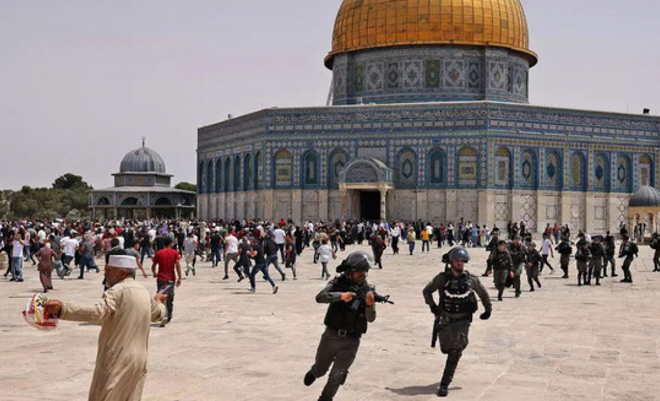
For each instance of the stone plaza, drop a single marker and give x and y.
(561, 342)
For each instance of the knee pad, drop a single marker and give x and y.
(339, 377)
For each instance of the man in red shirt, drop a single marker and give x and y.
(164, 263)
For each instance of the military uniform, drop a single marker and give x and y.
(582, 256)
(596, 263)
(457, 304)
(565, 249)
(518, 256)
(628, 250)
(502, 266)
(655, 245)
(532, 266)
(610, 248)
(345, 323)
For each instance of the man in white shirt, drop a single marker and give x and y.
(546, 249)
(231, 253)
(69, 245)
(280, 240)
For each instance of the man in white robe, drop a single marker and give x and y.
(125, 313)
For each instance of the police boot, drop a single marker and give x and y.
(309, 378)
(443, 391)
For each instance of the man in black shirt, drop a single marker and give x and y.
(260, 265)
(216, 240)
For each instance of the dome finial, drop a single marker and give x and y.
(143, 139)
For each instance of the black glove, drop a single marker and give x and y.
(435, 310)
(485, 315)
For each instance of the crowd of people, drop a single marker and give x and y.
(249, 248)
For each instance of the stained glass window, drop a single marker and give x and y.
(528, 170)
(577, 171)
(249, 170)
(503, 162)
(283, 169)
(436, 164)
(259, 168)
(209, 177)
(237, 173)
(623, 180)
(227, 173)
(601, 173)
(218, 175)
(467, 167)
(645, 170)
(553, 171)
(338, 161)
(311, 164)
(407, 163)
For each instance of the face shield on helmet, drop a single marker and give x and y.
(356, 261)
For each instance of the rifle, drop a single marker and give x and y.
(361, 296)
(436, 329)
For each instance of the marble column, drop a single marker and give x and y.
(383, 204)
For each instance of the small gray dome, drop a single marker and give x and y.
(142, 160)
(645, 197)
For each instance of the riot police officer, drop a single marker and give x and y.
(629, 251)
(502, 267)
(518, 255)
(454, 311)
(352, 307)
(655, 245)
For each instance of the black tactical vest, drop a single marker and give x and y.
(457, 295)
(348, 316)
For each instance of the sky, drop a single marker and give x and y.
(81, 81)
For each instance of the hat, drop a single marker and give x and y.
(532, 245)
(122, 262)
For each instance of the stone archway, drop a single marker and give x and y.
(367, 180)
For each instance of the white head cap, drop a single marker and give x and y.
(122, 262)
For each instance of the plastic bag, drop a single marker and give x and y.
(36, 316)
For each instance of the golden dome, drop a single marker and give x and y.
(368, 24)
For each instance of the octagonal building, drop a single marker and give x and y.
(430, 120)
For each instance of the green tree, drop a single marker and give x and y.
(186, 186)
(70, 181)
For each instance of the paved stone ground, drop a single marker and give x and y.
(560, 343)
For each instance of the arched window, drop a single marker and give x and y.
(646, 171)
(259, 169)
(578, 181)
(209, 177)
(163, 201)
(311, 169)
(406, 169)
(227, 174)
(337, 161)
(237, 173)
(218, 175)
(602, 173)
(553, 171)
(436, 164)
(622, 179)
(103, 201)
(283, 169)
(248, 173)
(467, 167)
(200, 178)
(131, 201)
(528, 176)
(503, 167)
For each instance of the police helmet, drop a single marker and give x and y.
(356, 261)
(459, 253)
